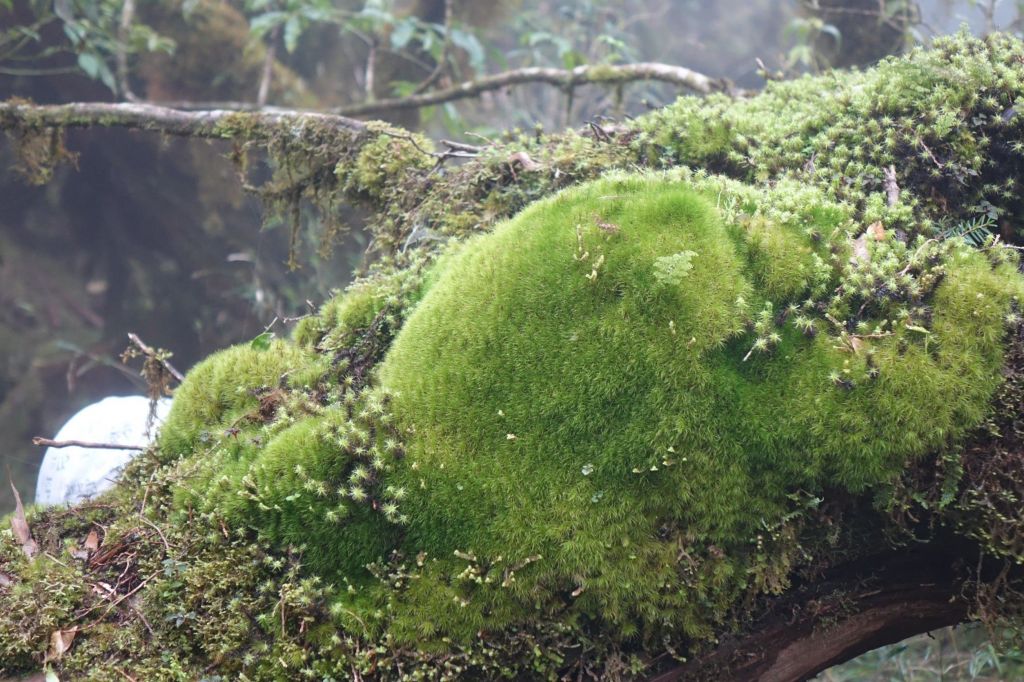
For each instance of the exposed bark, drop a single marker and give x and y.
(124, 35)
(268, 68)
(851, 610)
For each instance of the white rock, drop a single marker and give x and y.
(72, 474)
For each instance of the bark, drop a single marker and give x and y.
(848, 611)
(568, 79)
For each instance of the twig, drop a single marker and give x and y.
(47, 443)
(114, 603)
(929, 151)
(150, 353)
(562, 78)
(892, 189)
(455, 150)
(462, 147)
(152, 525)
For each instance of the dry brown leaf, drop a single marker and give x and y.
(605, 226)
(877, 231)
(92, 541)
(856, 344)
(60, 643)
(19, 524)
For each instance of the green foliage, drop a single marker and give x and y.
(92, 33)
(670, 270)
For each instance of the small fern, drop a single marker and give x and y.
(671, 270)
(976, 231)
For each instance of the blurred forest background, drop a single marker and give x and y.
(158, 236)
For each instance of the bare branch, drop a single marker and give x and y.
(220, 122)
(563, 78)
(47, 443)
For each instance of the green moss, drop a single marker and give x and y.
(567, 402)
(389, 156)
(781, 262)
(619, 420)
(372, 306)
(943, 118)
(317, 482)
(42, 598)
(228, 385)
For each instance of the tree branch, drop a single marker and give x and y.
(581, 75)
(212, 124)
(186, 121)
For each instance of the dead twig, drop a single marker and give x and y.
(892, 188)
(154, 355)
(48, 443)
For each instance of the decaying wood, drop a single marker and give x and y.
(850, 610)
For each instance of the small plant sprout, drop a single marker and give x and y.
(671, 270)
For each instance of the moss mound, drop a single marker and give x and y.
(620, 367)
(225, 387)
(601, 435)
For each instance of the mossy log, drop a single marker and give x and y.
(732, 391)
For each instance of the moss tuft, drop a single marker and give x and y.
(569, 400)
(227, 386)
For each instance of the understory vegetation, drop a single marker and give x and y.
(599, 396)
